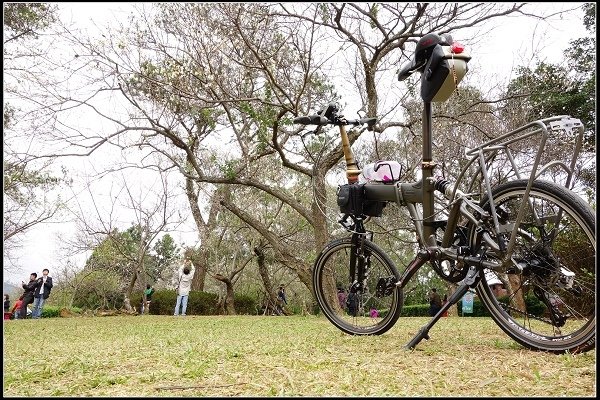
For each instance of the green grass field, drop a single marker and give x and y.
(277, 356)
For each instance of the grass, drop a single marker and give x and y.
(277, 356)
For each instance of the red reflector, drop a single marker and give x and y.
(457, 48)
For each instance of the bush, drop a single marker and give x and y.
(54, 311)
(199, 303)
(415, 310)
(245, 304)
(99, 289)
(534, 306)
(163, 303)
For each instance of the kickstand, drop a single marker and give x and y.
(470, 281)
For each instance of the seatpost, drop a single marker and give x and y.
(352, 170)
(427, 167)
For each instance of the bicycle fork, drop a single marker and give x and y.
(358, 263)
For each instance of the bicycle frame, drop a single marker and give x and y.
(480, 232)
(502, 218)
(414, 193)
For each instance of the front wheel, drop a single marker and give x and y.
(375, 306)
(545, 300)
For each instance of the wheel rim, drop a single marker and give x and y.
(334, 274)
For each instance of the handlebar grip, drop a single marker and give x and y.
(311, 120)
(369, 121)
(318, 120)
(302, 120)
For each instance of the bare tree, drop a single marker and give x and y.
(153, 213)
(244, 70)
(30, 198)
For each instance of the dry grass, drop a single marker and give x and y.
(277, 356)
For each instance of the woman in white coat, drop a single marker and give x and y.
(184, 285)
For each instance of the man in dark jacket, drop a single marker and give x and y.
(42, 292)
(29, 288)
(435, 302)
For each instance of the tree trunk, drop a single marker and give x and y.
(371, 89)
(204, 231)
(264, 275)
(514, 283)
(282, 252)
(200, 262)
(127, 300)
(318, 208)
(227, 304)
(450, 289)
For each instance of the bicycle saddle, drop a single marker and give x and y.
(442, 64)
(423, 52)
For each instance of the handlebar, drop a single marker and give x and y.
(320, 120)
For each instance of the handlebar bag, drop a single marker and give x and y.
(351, 200)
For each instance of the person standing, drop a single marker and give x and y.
(435, 302)
(341, 295)
(148, 293)
(184, 285)
(7, 306)
(281, 300)
(17, 308)
(445, 314)
(352, 303)
(42, 292)
(29, 288)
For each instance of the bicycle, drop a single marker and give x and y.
(536, 236)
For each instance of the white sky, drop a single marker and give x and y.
(512, 42)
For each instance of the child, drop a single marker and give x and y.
(17, 307)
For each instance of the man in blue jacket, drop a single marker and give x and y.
(42, 292)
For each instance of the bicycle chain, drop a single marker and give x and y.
(507, 307)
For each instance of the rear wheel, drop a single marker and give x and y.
(378, 300)
(548, 300)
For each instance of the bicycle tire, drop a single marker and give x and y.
(331, 270)
(573, 247)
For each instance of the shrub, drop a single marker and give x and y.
(534, 306)
(245, 304)
(199, 303)
(54, 311)
(99, 289)
(415, 310)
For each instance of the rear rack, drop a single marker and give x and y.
(564, 125)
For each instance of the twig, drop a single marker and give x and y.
(196, 386)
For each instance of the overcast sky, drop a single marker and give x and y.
(502, 46)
